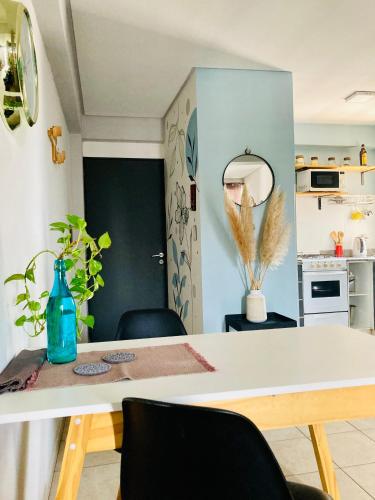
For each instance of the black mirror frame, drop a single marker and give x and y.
(249, 153)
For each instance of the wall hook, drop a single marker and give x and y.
(54, 132)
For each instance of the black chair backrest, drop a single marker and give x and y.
(149, 323)
(178, 452)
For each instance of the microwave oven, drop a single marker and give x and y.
(320, 180)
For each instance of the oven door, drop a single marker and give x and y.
(325, 292)
(325, 179)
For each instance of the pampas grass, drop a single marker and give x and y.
(273, 239)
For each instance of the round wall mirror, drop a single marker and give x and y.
(253, 171)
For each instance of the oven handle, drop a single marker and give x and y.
(326, 273)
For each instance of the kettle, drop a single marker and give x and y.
(359, 246)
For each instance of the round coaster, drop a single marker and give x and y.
(119, 357)
(88, 369)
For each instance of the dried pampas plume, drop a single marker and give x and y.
(274, 235)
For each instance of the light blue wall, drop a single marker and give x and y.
(324, 134)
(239, 108)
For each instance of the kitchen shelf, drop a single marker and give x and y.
(354, 294)
(320, 194)
(343, 168)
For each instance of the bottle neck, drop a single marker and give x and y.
(60, 285)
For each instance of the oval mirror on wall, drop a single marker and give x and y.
(255, 172)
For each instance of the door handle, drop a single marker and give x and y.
(158, 255)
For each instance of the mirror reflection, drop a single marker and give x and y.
(253, 171)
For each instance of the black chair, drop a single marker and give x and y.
(149, 323)
(178, 452)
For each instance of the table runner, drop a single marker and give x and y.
(155, 361)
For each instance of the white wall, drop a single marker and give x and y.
(33, 192)
(314, 225)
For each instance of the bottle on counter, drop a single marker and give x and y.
(363, 156)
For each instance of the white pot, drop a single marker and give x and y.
(256, 307)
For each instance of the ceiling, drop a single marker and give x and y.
(134, 55)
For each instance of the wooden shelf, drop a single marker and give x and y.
(350, 168)
(320, 194)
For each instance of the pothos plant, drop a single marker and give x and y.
(82, 256)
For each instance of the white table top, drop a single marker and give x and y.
(248, 364)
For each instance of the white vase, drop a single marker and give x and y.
(256, 307)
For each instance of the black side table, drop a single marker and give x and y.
(239, 322)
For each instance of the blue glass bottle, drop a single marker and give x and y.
(61, 319)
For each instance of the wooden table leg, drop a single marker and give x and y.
(324, 460)
(74, 456)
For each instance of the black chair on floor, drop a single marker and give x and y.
(178, 452)
(149, 323)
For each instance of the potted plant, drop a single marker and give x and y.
(60, 311)
(259, 256)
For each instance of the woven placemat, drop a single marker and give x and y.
(155, 361)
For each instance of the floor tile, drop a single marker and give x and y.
(349, 489)
(331, 428)
(363, 475)
(101, 482)
(282, 434)
(362, 425)
(351, 448)
(92, 459)
(295, 456)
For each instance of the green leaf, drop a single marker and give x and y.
(183, 281)
(30, 275)
(93, 246)
(76, 222)
(89, 320)
(78, 289)
(33, 305)
(99, 280)
(94, 267)
(69, 264)
(21, 298)
(81, 273)
(104, 241)
(59, 226)
(44, 294)
(20, 321)
(14, 277)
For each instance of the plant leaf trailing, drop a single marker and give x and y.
(82, 258)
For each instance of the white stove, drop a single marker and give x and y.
(323, 263)
(325, 289)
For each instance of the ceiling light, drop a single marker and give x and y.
(360, 96)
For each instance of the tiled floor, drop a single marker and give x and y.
(352, 446)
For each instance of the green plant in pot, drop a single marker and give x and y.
(62, 313)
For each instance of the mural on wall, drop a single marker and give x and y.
(182, 203)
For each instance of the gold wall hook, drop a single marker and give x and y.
(54, 132)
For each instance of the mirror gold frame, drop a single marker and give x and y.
(13, 96)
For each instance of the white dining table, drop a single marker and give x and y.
(277, 378)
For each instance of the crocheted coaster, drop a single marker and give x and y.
(89, 369)
(118, 357)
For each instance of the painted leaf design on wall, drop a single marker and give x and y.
(174, 249)
(186, 310)
(191, 146)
